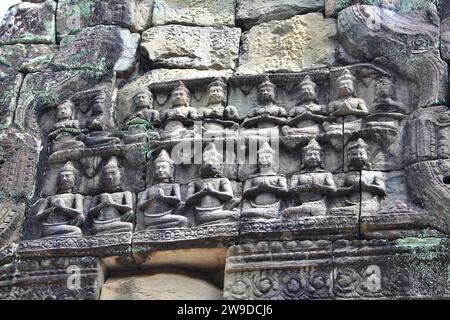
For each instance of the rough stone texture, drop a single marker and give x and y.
(163, 286)
(334, 183)
(192, 47)
(250, 12)
(306, 41)
(346, 270)
(99, 49)
(8, 98)
(445, 39)
(29, 23)
(333, 7)
(400, 48)
(52, 279)
(194, 12)
(43, 90)
(20, 155)
(74, 15)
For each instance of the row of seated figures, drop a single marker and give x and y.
(265, 119)
(211, 196)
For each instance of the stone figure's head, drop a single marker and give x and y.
(266, 156)
(357, 154)
(266, 91)
(164, 167)
(384, 89)
(143, 99)
(65, 110)
(345, 84)
(111, 176)
(212, 162)
(180, 95)
(216, 91)
(312, 156)
(307, 90)
(66, 178)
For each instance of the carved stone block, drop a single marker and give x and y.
(19, 157)
(428, 184)
(158, 76)
(193, 12)
(307, 40)
(75, 15)
(12, 214)
(277, 270)
(416, 52)
(115, 47)
(427, 135)
(339, 270)
(29, 23)
(9, 92)
(44, 90)
(201, 48)
(408, 268)
(250, 13)
(75, 278)
(445, 39)
(333, 7)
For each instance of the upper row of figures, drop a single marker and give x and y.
(308, 118)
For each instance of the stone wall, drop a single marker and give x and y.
(279, 149)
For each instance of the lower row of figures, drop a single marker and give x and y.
(211, 199)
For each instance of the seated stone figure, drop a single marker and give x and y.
(307, 116)
(212, 195)
(177, 122)
(387, 111)
(65, 130)
(265, 118)
(62, 214)
(362, 188)
(141, 123)
(264, 191)
(215, 115)
(159, 202)
(112, 211)
(311, 186)
(347, 108)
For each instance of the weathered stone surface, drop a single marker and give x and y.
(445, 39)
(304, 41)
(161, 286)
(73, 15)
(25, 58)
(43, 90)
(52, 279)
(192, 47)
(9, 92)
(29, 23)
(100, 49)
(12, 213)
(250, 12)
(194, 12)
(333, 7)
(19, 157)
(128, 91)
(340, 270)
(402, 47)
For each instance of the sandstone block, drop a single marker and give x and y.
(194, 12)
(100, 49)
(29, 23)
(73, 15)
(253, 12)
(304, 41)
(192, 47)
(163, 286)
